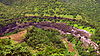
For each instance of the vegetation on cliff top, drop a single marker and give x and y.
(47, 42)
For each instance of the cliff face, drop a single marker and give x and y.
(7, 2)
(65, 28)
(31, 12)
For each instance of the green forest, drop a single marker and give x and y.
(49, 27)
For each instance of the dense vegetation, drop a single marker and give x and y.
(41, 42)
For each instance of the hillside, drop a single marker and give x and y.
(49, 27)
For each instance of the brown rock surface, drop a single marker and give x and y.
(18, 37)
(70, 46)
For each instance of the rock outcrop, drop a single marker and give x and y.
(18, 37)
